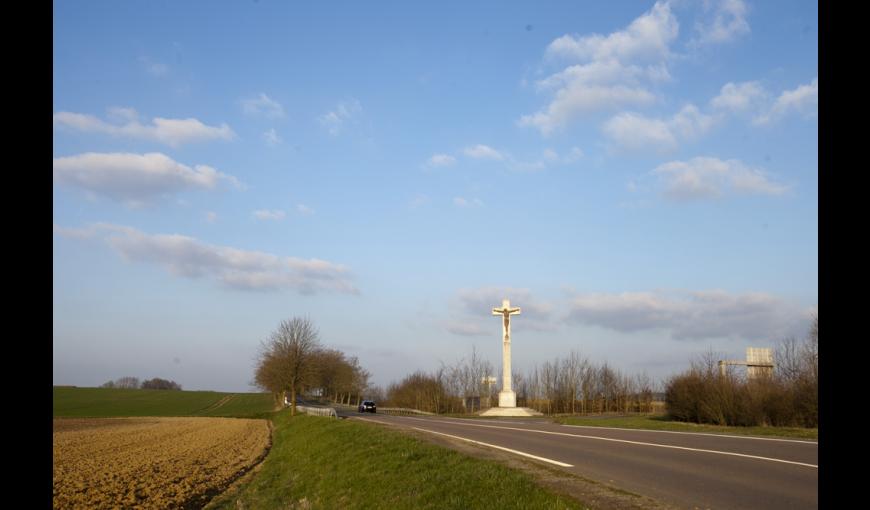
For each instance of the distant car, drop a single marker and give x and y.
(367, 406)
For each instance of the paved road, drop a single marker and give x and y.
(684, 469)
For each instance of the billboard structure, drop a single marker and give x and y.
(759, 362)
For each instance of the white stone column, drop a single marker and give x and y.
(506, 397)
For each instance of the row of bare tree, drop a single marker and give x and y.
(787, 397)
(293, 362)
(572, 384)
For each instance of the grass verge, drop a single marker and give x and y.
(326, 463)
(664, 423)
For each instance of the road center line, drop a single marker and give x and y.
(628, 442)
(695, 434)
(517, 452)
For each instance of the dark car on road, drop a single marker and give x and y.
(367, 406)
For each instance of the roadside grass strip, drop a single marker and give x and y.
(319, 463)
(702, 450)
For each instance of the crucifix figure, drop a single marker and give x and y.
(506, 398)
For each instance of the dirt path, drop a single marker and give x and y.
(220, 403)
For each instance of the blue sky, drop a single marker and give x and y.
(640, 178)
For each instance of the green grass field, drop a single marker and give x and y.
(663, 423)
(108, 402)
(326, 463)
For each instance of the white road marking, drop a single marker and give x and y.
(629, 442)
(551, 461)
(524, 454)
(696, 434)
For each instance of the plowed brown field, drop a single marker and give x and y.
(151, 462)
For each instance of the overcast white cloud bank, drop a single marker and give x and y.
(134, 178)
(704, 178)
(803, 100)
(263, 105)
(172, 132)
(688, 315)
(236, 269)
(612, 72)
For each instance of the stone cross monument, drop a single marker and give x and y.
(506, 397)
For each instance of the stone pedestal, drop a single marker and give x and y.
(510, 411)
(507, 399)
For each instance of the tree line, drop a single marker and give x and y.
(789, 396)
(149, 384)
(292, 362)
(572, 384)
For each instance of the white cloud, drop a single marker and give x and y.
(419, 200)
(304, 210)
(272, 138)
(263, 105)
(153, 67)
(483, 152)
(635, 132)
(76, 233)
(172, 132)
(575, 154)
(647, 38)
(688, 315)
(264, 214)
(122, 114)
(579, 98)
(738, 97)
(441, 160)
(463, 328)
(803, 100)
(550, 155)
(472, 311)
(728, 23)
(188, 257)
(465, 202)
(134, 178)
(612, 71)
(706, 177)
(344, 112)
(527, 166)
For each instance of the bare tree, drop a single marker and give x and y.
(285, 361)
(788, 359)
(127, 382)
